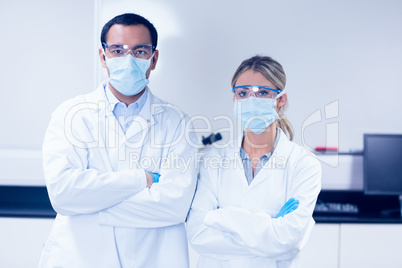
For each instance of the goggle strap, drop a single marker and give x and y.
(280, 94)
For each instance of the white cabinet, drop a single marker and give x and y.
(193, 256)
(371, 245)
(354, 245)
(322, 248)
(329, 245)
(22, 240)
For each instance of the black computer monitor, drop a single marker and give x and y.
(382, 164)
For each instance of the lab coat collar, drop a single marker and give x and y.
(152, 107)
(111, 98)
(282, 152)
(235, 146)
(145, 115)
(99, 96)
(113, 101)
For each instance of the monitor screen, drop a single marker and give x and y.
(382, 164)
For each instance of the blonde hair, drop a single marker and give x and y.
(274, 72)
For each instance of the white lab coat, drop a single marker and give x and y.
(106, 216)
(232, 224)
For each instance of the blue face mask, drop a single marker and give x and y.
(255, 114)
(128, 74)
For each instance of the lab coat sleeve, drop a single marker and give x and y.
(167, 202)
(276, 238)
(73, 187)
(206, 239)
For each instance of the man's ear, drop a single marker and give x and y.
(102, 58)
(155, 60)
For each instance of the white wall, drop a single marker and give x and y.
(342, 56)
(342, 52)
(22, 241)
(47, 56)
(347, 52)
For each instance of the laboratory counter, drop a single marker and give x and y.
(331, 207)
(25, 201)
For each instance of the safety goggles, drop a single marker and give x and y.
(142, 51)
(245, 91)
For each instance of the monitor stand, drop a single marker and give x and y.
(400, 204)
(393, 213)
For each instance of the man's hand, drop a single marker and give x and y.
(152, 178)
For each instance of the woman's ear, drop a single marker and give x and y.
(282, 100)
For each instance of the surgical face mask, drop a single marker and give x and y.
(256, 114)
(128, 74)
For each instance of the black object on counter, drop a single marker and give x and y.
(211, 138)
(366, 208)
(25, 201)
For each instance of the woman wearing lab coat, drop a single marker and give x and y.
(255, 198)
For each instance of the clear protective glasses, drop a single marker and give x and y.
(245, 91)
(141, 51)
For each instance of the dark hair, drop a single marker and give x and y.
(128, 19)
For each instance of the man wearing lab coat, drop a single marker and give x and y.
(118, 165)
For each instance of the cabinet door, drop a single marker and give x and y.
(193, 256)
(22, 240)
(320, 251)
(371, 245)
(322, 248)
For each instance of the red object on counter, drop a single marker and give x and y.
(326, 148)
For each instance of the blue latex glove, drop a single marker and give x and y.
(155, 176)
(290, 206)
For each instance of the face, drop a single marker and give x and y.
(129, 35)
(251, 77)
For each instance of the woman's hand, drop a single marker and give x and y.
(290, 206)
